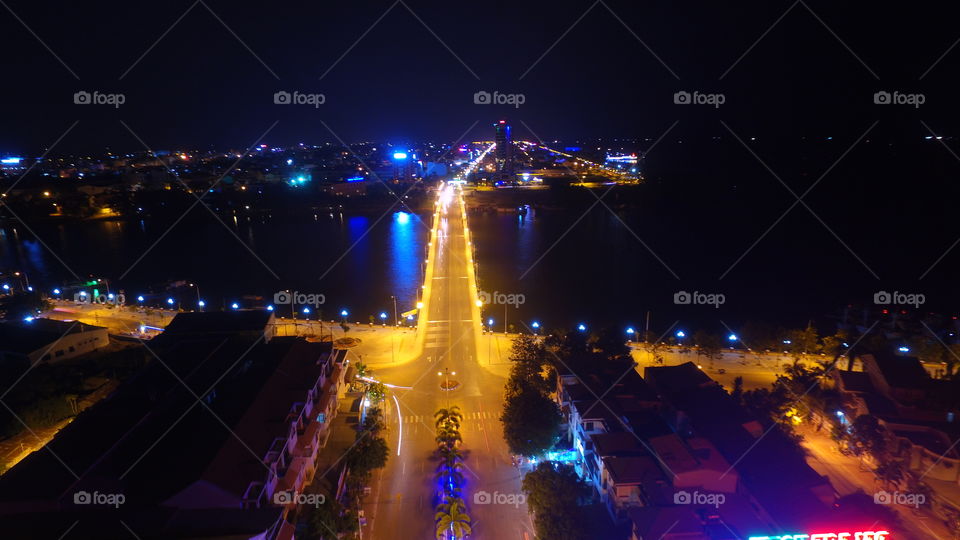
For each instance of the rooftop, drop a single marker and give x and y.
(28, 336)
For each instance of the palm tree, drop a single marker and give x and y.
(449, 417)
(452, 516)
(449, 455)
(449, 437)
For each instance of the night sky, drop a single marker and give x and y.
(209, 80)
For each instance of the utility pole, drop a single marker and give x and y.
(646, 331)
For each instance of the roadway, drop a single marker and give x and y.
(405, 492)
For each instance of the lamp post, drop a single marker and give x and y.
(446, 373)
(396, 320)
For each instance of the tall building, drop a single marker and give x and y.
(503, 154)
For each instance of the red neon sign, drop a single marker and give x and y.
(862, 535)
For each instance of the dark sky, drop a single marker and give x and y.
(210, 82)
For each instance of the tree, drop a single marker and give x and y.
(891, 473)
(448, 436)
(449, 456)
(528, 356)
(376, 392)
(709, 344)
(452, 517)
(531, 423)
(328, 518)
(868, 436)
(555, 495)
(449, 417)
(367, 454)
(737, 392)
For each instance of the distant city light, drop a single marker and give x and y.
(289, 162)
(56, 291)
(139, 298)
(535, 324)
(399, 155)
(904, 349)
(630, 330)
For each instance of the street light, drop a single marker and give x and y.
(201, 303)
(582, 327)
(139, 298)
(56, 291)
(235, 305)
(630, 332)
(536, 327)
(681, 334)
(269, 308)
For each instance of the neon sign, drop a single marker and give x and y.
(863, 535)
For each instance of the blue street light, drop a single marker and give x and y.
(170, 301)
(732, 337)
(535, 324)
(201, 303)
(235, 305)
(904, 349)
(110, 296)
(139, 298)
(56, 291)
(490, 323)
(399, 155)
(680, 334)
(269, 308)
(6, 287)
(383, 315)
(306, 311)
(582, 327)
(631, 331)
(344, 313)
